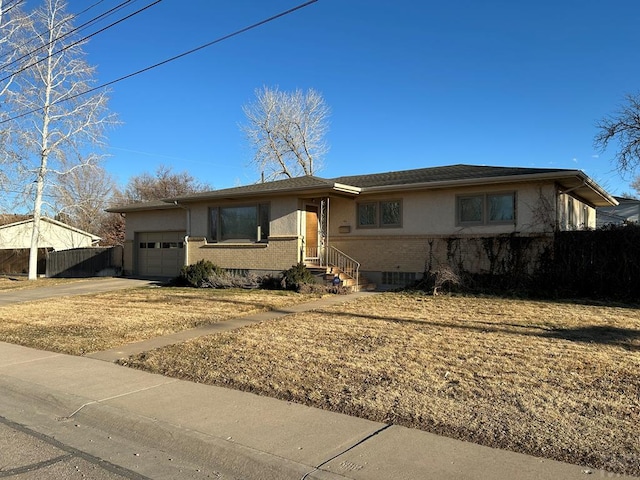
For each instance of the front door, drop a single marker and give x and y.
(311, 233)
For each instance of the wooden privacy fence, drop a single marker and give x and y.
(16, 261)
(85, 262)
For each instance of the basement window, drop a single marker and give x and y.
(398, 278)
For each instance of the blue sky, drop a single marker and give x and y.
(410, 84)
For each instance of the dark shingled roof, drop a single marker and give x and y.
(290, 184)
(438, 174)
(150, 205)
(352, 185)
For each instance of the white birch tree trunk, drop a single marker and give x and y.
(63, 122)
(47, 75)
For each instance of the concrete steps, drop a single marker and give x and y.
(327, 275)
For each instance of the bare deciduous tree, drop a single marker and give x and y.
(623, 127)
(112, 229)
(163, 184)
(65, 125)
(81, 195)
(287, 132)
(143, 188)
(13, 23)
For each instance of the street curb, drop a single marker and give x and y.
(164, 443)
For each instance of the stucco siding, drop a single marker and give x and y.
(284, 216)
(127, 257)
(433, 212)
(155, 221)
(199, 220)
(575, 214)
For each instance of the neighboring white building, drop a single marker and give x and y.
(627, 211)
(54, 235)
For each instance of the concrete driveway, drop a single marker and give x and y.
(81, 287)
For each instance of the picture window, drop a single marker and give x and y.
(247, 223)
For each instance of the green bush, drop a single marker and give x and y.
(197, 274)
(296, 276)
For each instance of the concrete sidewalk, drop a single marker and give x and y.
(125, 351)
(164, 428)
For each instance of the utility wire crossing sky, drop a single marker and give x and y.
(410, 84)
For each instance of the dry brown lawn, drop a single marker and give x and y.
(555, 380)
(90, 323)
(19, 282)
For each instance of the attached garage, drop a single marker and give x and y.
(160, 254)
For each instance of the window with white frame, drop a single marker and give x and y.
(382, 214)
(246, 223)
(486, 209)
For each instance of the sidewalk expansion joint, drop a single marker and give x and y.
(33, 360)
(358, 443)
(95, 402)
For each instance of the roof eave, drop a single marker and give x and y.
(590, 190)
(336, 188)
(558, 176)
(141, 208)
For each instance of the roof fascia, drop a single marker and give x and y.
(167, 205)
(335, 188)
(556, 176)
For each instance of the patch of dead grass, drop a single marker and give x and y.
(19, 282)
(555, 380)
(90, 323)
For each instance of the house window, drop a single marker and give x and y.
(172, 245)
(385, 214)
(398, 278)
(470, 209)
(501, 207)
(571, 214)
(367, 215)
(585, 216)
(493, 208)
(240, 224)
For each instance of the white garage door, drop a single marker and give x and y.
(160, 254)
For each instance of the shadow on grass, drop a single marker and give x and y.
(601, 334)
(595, 334)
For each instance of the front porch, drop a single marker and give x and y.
(331, 263)
(320, 256)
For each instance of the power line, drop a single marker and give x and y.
(11, 7)
(176, 57)
(70, 32)
(31, 40)
(67, 47)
